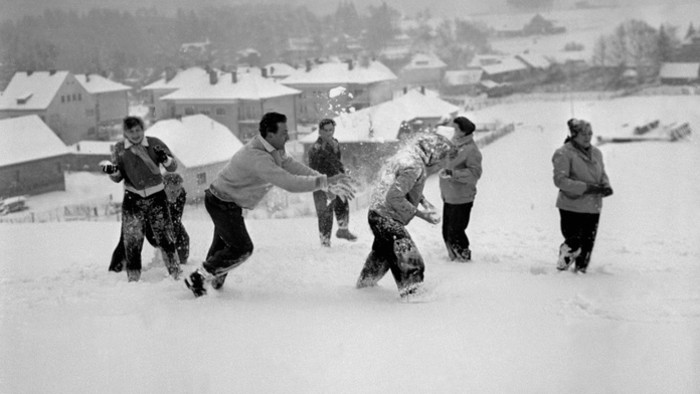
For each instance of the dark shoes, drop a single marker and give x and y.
(218, 281)
(133, 275)
(346, 234)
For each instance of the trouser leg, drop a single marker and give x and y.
(232, 245)
(133, 222)
(324, 212)
(455, 220)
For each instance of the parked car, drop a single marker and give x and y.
(13, 204)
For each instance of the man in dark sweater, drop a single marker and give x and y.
(324, 157)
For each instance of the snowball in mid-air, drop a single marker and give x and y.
(337, 91)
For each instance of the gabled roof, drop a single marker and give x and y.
(423, 61)
(95, 83)
(508, 64)
(385, 119)
(249, 87)
(191, 77)
(27, 138)
(463, 77)
(32, 91)
(340, 73)
(680, 70)
(196, 140)
(534, 60)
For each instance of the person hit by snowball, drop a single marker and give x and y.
(580, 175)
(393, 204)
(241, 184)
(136, 160)
(177, 197)
(324, 157)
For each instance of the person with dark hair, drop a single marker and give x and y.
(324, 157)
(136, 160)
(393, 204)
(458, 189)
(177, 197)
(252, 171)
(580, 175)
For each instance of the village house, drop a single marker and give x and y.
(57, 97)
(201, 146)
(172, 80)
(462, 81)
(679, 73)
(32, 157)
(111, 98)
(279, 71)
(424, 69)
(369, 135)
(369, 82)
(86, 155)
(235, 100)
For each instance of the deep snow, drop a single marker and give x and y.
(290, 320)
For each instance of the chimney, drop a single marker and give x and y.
(263, 72)
(169, 74)
(87, 77)
(422, 90)
(52, 72)
(234, 76)
(272, 71)
(350, 65)
(213, 77)
(405, 89)
(308, 65)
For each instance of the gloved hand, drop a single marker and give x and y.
(341, 186)
(109, 168)
(161, 156)
(430, 216)
(594, 189)
(445, 173)
(607, 191)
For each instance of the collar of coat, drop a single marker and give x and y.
(128, 144)
(461, 139)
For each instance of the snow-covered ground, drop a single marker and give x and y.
(290, 319)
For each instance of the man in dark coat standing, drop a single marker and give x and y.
(324, 157)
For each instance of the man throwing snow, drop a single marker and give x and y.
(248, 176)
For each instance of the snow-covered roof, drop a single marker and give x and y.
(249, 87)
(279, 70)
(87, 147)
(191, 77)
(508, 64)
(340, 73)
(32, 91)
(423, 61)
(462, 77)
(680, 70)
(95, 83)
(196, 140)
(534, 60)
(385, 119)
(28, 138)
(568, 56)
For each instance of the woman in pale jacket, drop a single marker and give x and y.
(580, 175)
(458, 189)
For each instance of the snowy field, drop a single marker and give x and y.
(290, 319)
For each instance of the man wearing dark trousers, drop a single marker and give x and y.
(324, 157)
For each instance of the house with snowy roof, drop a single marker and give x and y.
(278, 71)
(424, 69)
(679, 73)
(508, 69)
(111, 98)
(86, 155)
(32, 157)
(57, 97)
(201, 145)
(235, 100)
(462, 81)
(367, 82)
(367, 136)
(171, 80)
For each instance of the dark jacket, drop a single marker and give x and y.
(573, 171)
(325, 158)
(135, 173)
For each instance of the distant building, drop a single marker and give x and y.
(279, 71)
(171, 81)
(111, 98)
(369, 82)
(32, 157)
(235, 100)
(462, 81)
(423, 70)
(87, 155)
(679, 73)
(202, 147)
(300, 48)
(57, 97)
(509, 69)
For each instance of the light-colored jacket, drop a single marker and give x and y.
(460, 188)
(254, 169)
(400, 187)
(573, 171)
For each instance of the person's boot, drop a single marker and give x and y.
(325, 240)
(195, 282)
(218, 282)
(566, 257)
(344, 233)
(133, 275)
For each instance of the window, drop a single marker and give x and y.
(204, 111)
(80, 97)
(75, 98)
(63, 99)
(189, 111)
(201, 178)
(220, 111)
(68, 98)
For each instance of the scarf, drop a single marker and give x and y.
(140, 151)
